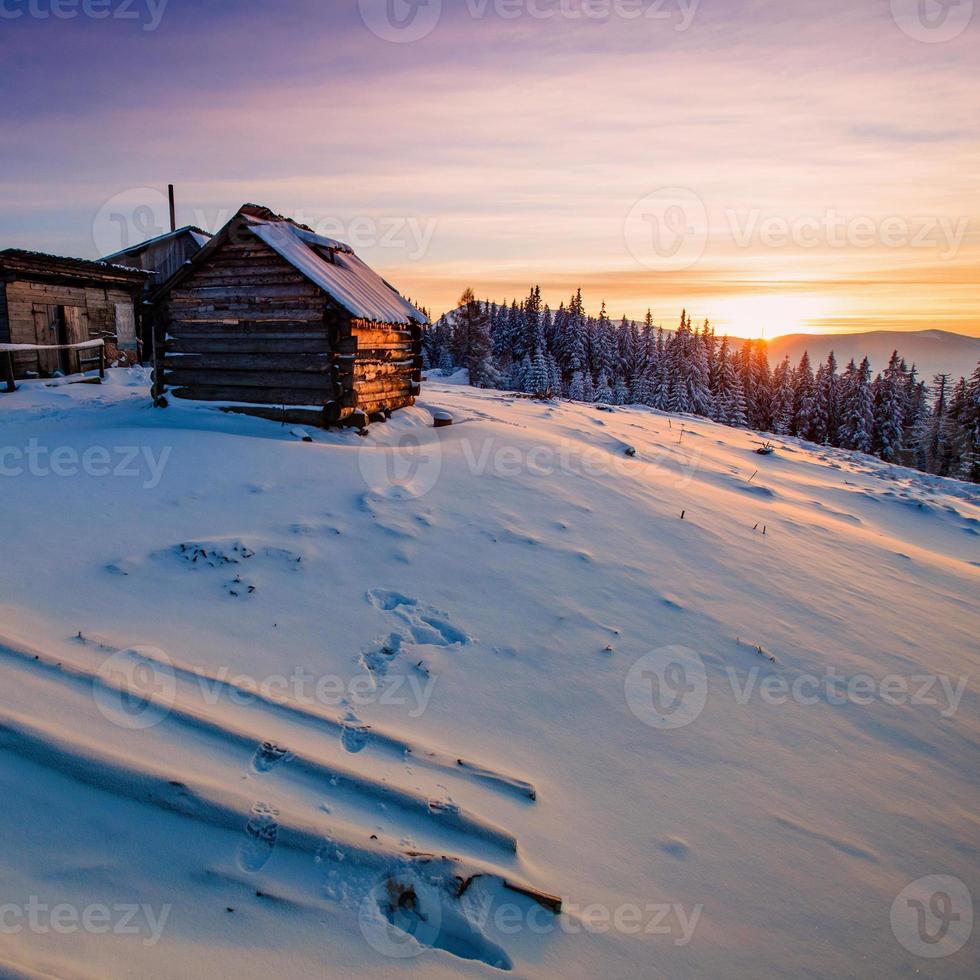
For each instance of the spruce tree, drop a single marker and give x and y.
(782, 400)
(936, 451)
(889, 410)
(538, 382)
(603, 393)
(471, 340)
(805, 402)
(970, 424)
(858, 426)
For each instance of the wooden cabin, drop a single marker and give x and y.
(49, 300)
(280, 322)
(164, 255)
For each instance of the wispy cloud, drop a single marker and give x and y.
(523, 143)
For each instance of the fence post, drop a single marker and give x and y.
(102, 361)
(9, 371)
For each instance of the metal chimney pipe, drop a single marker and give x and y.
(173, 211)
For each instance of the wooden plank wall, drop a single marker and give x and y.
(28, 306)
(163, 259)
(247, 327)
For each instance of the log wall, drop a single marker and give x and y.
(385, 365)
(247, 327)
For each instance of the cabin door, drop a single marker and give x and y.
(75, 332)
(49, 328)
(59, 325)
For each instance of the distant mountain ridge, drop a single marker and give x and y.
(932, 351)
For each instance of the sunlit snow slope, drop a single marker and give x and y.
(364, 704)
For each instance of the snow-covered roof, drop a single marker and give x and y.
(335, 268)
(200, 236)
(22, 257)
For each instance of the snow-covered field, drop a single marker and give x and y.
(273, 708)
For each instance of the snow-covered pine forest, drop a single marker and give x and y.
(525, 346)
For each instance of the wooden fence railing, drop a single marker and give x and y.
(7, 352)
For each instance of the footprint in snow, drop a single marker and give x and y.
(267, 756)
(377, 659)
(427, 626)
(355, 734)
(261, 832)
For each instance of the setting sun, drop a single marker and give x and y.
(768, 316)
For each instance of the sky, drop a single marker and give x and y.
(772, 166)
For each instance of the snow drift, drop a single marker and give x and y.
(555, 690)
